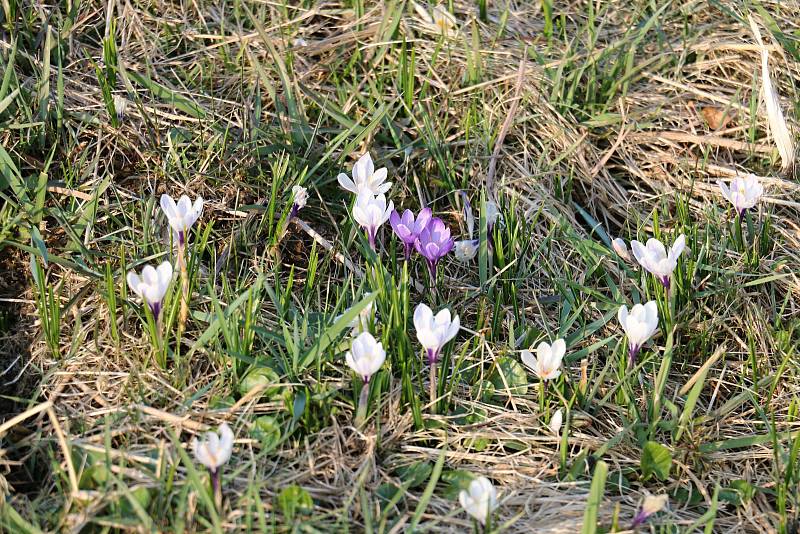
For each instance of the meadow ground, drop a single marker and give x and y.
(584, 120)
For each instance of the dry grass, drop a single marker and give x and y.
(634, 127)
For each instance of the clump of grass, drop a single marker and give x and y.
(564, 129)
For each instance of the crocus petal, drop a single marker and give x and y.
(168, 206)
(423, 219)
(677, 247)
(346, 183)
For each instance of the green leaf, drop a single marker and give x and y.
(739, 492)
(330, 334)
(267, 431)
(509, 377)
(415, 474)
(595, 498)
(428, 492)
(656, 460)
(456, 481)
(261, 377)
(293, 500)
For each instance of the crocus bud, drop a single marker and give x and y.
(299, 199)
(371, 212)
(480, 500)
(556, 421)
(434, 332)
(466, 250)
(639, 325)
(366, 356)
(621, 248)
(152, 285)
(652, 504)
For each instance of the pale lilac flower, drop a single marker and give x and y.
(434, 242)
(547, 362)
(371, 212)
(466, 249)
(181, 216)
(639, 325)
(744, 192)
(480, 500)
(366, 356)
(152, 285)
(656, 260)
(366, 178)
(407, 228)
(434, 331)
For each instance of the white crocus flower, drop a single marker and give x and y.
(480, 500)
(181, 216)
(639, 325)
(299, 199)
(214, 450)
(652, 504)
(466, 249)
(299, 196)
(120, 106)
(371, 212)
(152, 285)
(621, 248)
(366, 356)
(656, 260)
(434, 332)
(547, 362)
(744, 192)
(443, 19)
(556, 421)
(366, 178)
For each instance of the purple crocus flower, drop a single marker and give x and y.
(433, 243)
(407, 228)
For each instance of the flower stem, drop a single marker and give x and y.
(216, 488)
(184, 289)
(363, 401)
(542, 394)
(739, 232)
(159, 333)
(633, 352)
(433, 387)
